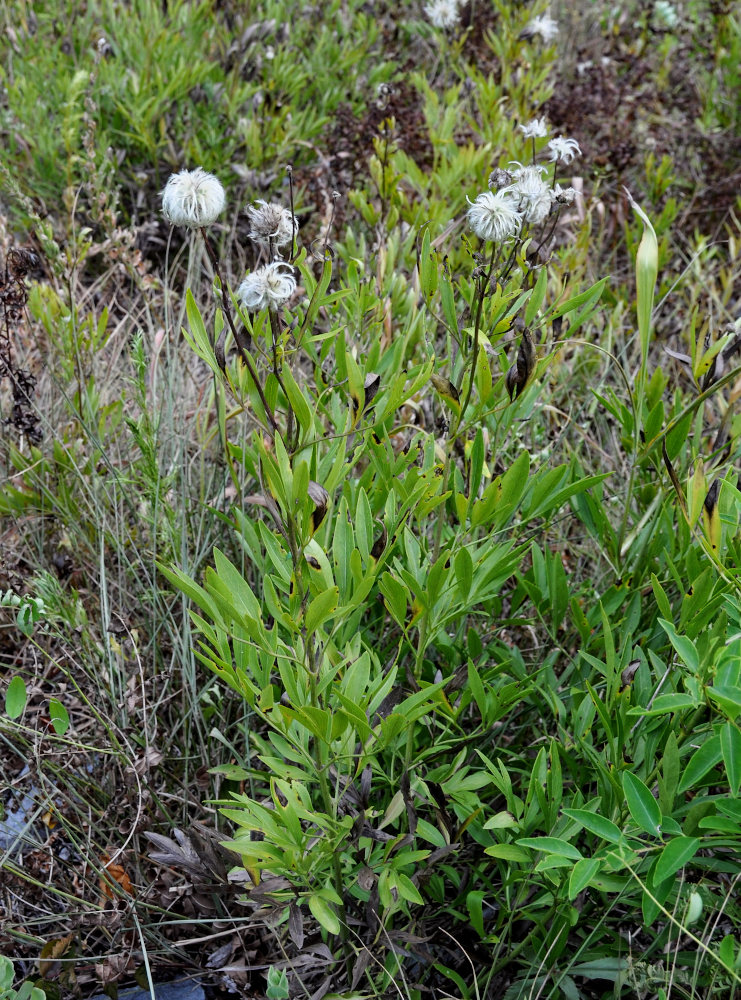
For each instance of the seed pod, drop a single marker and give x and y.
(711, 516)
(518, 375)
(320, 498)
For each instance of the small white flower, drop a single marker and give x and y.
(494, 215)
(442, 13)
(193, 198)
(271, 223)
(268, 287)
(536, 129)
(543, 25)
(531, 194)
(563, 150)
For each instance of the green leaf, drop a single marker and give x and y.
(321, 608)
(463, 567)
(474, 905)
(730, 746)
(536, 299)
(427, 265)
(581, 875)
(59, 716)
(642, 805)
(15, 697)
(703, 760)
(666, 703)
(590, 295)
(552, 845)
(684, 646)
(727, 951)
(601, 968)
(596, 824)
(674, 856)
(407, 889)
(297, 400)
(507, 852)
(324, 913)
(647, 269)
(395, 595)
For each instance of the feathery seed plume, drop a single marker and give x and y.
(563, 150)
(268, 287)
(442, 13)
(543, 25)
(531, 194)
(494, 215)
(271, 223)
(193, 198)
(536, 129)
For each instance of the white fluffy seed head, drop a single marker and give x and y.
(443, 13)
(563, 150)
(271, 224)
(543, 25)
(268, 287)
(193, 198)
(494, 215)
(564, 196)
(536, 129)
(531, 194)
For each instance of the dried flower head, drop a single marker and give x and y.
(193, 198)
(531, 194)
(494, 215)
(499, 178)
(564, 196)
(536, 129)
(543, 25)
(268, 287)
(563, 150)
(443, 13)
(271, 223)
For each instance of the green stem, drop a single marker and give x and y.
(238, 339)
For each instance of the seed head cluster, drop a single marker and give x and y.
(521, 195)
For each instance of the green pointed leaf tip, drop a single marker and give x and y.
(647, 270)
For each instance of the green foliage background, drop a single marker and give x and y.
(455, 672)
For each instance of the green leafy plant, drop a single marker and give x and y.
(27, 991)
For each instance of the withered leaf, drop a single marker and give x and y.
(711, 500)
(320, 499)
(626, 677)
(379, 544)
(446, 389)
(296, 925)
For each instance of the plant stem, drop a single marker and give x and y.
(238, 338)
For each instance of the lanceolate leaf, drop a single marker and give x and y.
(730, 745)
(642, 805)
(674, 856)
(599, 825)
